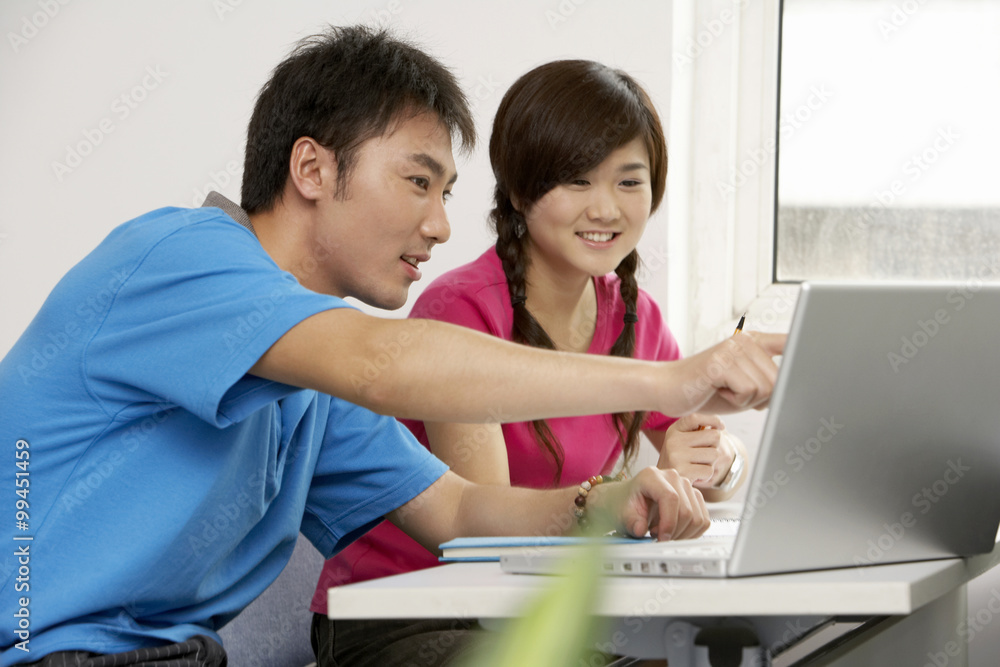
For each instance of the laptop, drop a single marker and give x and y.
(881, 442)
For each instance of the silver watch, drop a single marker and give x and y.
(735, 470)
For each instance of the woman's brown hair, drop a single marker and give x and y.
(556, 122)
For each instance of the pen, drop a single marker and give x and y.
(739, 327)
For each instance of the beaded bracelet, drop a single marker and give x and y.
(580, 508)
(580, 511)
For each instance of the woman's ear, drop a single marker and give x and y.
(312, 168)
(516, 203)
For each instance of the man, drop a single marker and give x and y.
(204, 391)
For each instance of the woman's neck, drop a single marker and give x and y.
(565, 306)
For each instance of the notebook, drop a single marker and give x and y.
(881, 443)
(486, 549)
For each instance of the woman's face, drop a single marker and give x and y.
(590, 224)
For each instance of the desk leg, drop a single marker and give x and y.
(685, 640)
(928, 636)
(688, 645)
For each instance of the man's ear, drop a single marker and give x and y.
(312, 169)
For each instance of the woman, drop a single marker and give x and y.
(580, 163)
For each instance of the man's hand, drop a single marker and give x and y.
(660, 502)
(737, 374)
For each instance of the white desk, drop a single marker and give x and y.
(925, 606)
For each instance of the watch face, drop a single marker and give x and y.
(733, 475)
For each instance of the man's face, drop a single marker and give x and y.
(390, 215)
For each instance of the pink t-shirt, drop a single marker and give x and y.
(475, 296)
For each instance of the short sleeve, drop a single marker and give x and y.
(470, 306)
(187, 318)
(368, 466)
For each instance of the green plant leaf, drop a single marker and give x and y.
(558, 628)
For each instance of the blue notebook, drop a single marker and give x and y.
(485, 549)
(725, 522)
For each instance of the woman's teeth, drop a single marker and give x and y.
(597, 237)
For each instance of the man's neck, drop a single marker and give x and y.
(284, 233)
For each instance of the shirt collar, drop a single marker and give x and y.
(231, 209)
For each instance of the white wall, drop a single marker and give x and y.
(189, 71)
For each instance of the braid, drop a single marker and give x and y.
(628, 424)
(629, 290)
(526, 329)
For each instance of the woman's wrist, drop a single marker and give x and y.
(732, 477)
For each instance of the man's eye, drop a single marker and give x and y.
(447, 196)
(420, 182)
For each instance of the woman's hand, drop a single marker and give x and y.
(698, 448)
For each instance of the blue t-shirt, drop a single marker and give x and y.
(161, 487)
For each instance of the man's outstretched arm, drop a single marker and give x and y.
(435, 371)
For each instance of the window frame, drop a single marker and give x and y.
(723, 151)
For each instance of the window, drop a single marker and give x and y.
(879, 162)
(888, 140)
